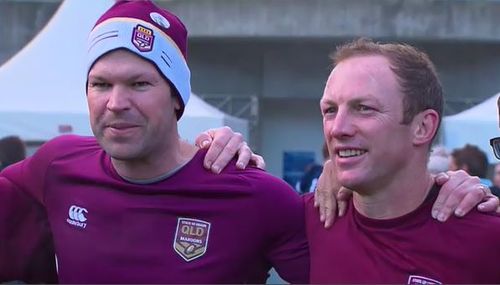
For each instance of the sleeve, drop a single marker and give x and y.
(288, 250)
(26, 250)
(26, 247)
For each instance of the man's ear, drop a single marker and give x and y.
(177, 102)
(424, 126)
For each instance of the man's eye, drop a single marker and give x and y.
(364, 108)
(330, 110)
(98, 85)
(141, 84)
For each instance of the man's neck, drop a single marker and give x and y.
(176, 155)
(394, 200)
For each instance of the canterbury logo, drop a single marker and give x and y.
(77, 216)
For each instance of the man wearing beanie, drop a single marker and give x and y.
(135, 204)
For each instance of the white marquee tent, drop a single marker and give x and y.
(476, 126)
(42, 88)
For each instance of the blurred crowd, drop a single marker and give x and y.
(470, 159)
(12, 150)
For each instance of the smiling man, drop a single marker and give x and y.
(381, 107)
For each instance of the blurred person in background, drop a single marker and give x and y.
(472, 160)
(12, 150)
(439, 160)
(310, 177)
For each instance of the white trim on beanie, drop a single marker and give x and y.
(161, 50)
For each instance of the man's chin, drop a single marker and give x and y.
(121, 152)
(121, 157)
(347, 180)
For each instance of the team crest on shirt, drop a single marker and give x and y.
(143, 38)
(421, 280)
(191, 238)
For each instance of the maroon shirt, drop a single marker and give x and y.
(412, 249)
(191, 227)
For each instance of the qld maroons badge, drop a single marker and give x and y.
(191, 238)
(143, 38)
(421, 280)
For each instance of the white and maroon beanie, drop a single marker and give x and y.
(149, 31)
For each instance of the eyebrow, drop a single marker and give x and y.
(129, 78)
(326, 102)
(367, 97)
(96, 77)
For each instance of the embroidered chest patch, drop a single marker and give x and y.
(191, 238)
(421, 280)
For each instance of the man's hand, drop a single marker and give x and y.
(330, 196)
(223, 144)
(459, 193)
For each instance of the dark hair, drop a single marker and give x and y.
(12, 150)
(415, 73)
(472, 157)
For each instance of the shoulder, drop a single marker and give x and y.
(269, 186)
(477, 235)
(69, 142)
(484, 227)
(251, 183)
(268, 190)
(67, 148)
(480, 220)
(485, 221)
(64, 145)
(312, 215)
(308, 201)
(251, 178)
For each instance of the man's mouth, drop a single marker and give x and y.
(344, 153)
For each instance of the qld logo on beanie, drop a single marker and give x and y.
(143, 38)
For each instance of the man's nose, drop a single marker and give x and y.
(119, 99)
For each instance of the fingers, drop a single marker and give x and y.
(458, 196)
(342, 199)
(441, 178)
(472, 197)
(320, 193)
(224, 144)
(258, 161)
(490, 202)
(329, 210)
(448, 185)
(216, 139)
(204, 139)
(325, 195)
(223, 148)
(244, 156)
